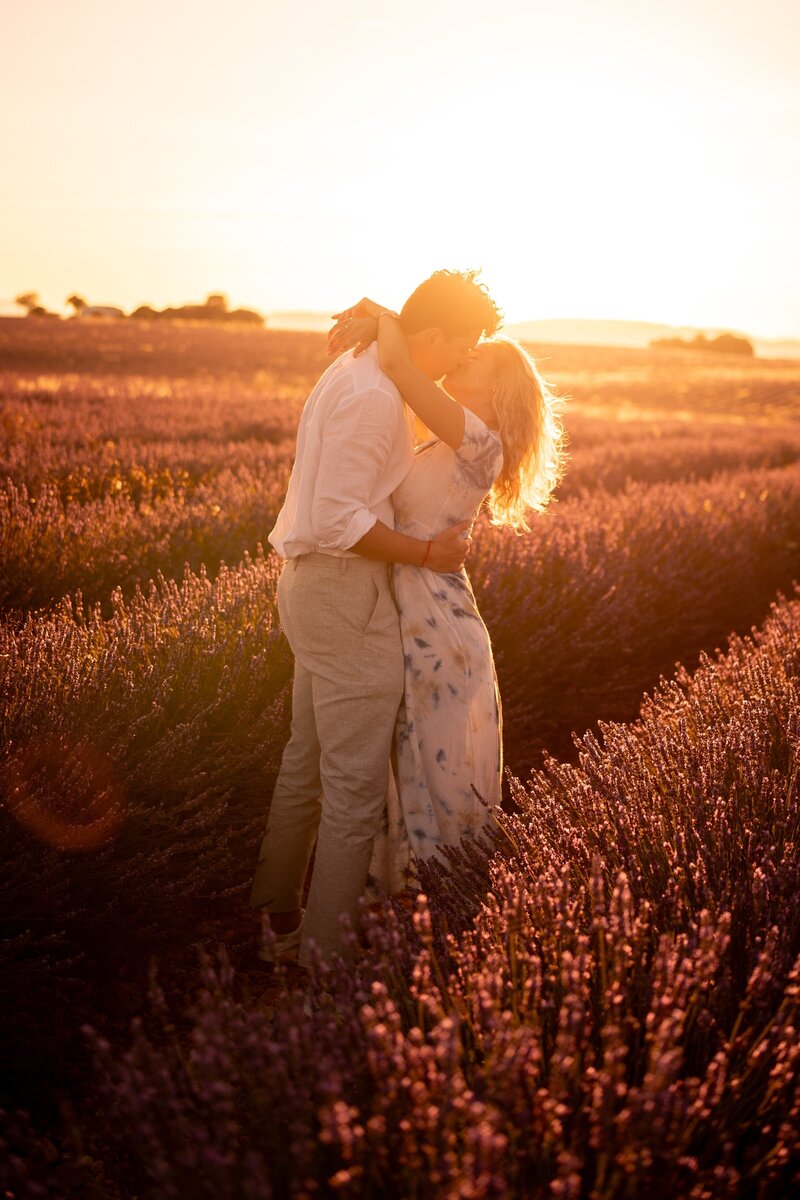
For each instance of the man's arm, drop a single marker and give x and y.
(445, 553)
(356, 447)
(358, 439)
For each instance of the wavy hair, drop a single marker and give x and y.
(532, 432)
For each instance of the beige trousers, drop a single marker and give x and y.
(342, 625)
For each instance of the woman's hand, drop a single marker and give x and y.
(364, 308)
(352, 333)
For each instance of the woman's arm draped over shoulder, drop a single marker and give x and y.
(433, 406)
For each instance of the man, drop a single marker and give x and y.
(336, 531)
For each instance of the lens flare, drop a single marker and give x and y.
(67, 795)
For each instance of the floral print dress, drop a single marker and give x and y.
(448, 738)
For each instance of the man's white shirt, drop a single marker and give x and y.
(354, 446)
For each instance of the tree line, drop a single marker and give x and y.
(215, 308)
(724, 343)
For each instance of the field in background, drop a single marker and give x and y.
(131, 453)
(144, 681)
(764, 389)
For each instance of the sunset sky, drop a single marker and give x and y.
(628, 159)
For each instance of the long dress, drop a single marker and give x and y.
(448, 737)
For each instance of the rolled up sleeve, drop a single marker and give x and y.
(358, 442)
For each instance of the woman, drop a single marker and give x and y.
(496, 436)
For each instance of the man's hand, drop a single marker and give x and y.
(446, 554)
(449, 549)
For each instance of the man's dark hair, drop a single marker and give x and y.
(454, 302)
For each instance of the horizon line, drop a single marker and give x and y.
(320, 314)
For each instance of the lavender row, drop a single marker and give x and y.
(603, 454)
(144, 524)
(91, 435)
(609, 454)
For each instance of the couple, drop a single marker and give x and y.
(395, 709)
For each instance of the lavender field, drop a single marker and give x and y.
(609, 1010)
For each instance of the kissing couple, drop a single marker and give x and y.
(396, 717)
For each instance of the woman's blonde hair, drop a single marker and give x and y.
(529, 418)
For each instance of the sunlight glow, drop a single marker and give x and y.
(595, 162)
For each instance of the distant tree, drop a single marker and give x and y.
(29, 300)
(725, 343)
(215, 309)
(77, 302)
(200, 312)
(246, 316)
(39, 311)
(730, 343)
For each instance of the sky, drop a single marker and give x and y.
(628, 159)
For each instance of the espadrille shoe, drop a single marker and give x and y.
(286, 946)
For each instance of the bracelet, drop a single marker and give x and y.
(425, 555)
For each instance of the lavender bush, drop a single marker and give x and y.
(50, 548)
(129, 796)
(619, 1018)
(609, 592)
